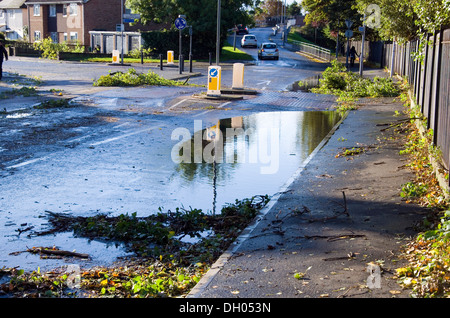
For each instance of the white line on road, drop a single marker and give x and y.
(25, 163)
(210, 110)
(123, 136)
(173, 106)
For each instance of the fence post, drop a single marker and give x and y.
(425, 75)
(430, 98)
(438, 80)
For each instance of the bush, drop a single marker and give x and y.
(50, 49)
(132, 78)
(338, 81)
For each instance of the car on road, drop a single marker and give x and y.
(268, 50)
(241, 29)
(249, 40)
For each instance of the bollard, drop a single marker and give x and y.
(115, 56)
(180, 63)
(238, 76)
(169, 57)
(214, 78)
(161, 62)
(142, 57)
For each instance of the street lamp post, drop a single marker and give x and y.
(361, 55)
(121, 27)
(218, 33)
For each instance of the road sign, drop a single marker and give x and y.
(213, 72)
(130, 18)
(180, 23)
(348, 23)
(348, 33)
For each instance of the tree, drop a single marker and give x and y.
(409, 19)
(294, 9)
(332, 13)
(200, 14)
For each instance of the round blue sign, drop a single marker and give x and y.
(180, 23)
(213, 72)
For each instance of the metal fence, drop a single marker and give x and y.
(312, 50)
(430, 82)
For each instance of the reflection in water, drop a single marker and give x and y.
(245, 156)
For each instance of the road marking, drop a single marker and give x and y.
(210, 110)
(123, 136)
(25, 163)
(180, 102)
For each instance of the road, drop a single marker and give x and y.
(110, 152)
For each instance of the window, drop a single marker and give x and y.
(37, 36)
(73, 36)
(36, 10)
(73, 9)
(65, 37)
(54, 37)
(64, 10)
(52, 10)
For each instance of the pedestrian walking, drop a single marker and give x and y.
(353, 55)
(2, 52)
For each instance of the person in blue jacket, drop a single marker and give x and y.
(2, 53)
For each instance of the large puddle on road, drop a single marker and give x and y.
(244, 156)
(237, 158)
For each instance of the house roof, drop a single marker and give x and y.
(54, 1)
(11, 4)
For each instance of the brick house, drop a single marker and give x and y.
(72, 20)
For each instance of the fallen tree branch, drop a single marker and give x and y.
(54, 251)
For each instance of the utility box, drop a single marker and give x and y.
(170, 57)
(238, 76)
(214, 78)
(115, 56)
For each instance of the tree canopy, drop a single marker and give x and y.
(402, 19)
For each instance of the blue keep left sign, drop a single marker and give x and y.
(180, 23)
(213, 72)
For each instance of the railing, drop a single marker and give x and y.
(312, 50)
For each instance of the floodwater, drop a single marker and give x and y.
(241, 157)
(168, 167)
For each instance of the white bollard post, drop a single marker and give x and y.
(115, 56)
(170, 58)
(238, 76)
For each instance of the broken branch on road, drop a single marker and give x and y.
(52, 251)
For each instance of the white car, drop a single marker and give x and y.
(249, 40)
(268, 50)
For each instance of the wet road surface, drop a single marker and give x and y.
(110, 151)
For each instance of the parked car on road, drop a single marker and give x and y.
(268, 50)
(249, 40)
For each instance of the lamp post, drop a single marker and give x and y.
(348, 34)
(218, 33)
(361, 55)
(121, 27)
